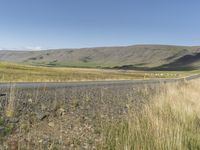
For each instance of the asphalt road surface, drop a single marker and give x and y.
(95, 83)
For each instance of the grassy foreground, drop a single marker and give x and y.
(166, 117)
(170, 121)
(22, 73)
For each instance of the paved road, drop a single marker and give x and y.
(95, 83)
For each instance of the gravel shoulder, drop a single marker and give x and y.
(68, 115)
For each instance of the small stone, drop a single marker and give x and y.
(30, 100)
(40, 141)
(61, 111)
(51, 124)
(41, 116)
(13, 120)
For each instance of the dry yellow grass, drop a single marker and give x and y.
(170, 121)
(22, 73)
(10, 108)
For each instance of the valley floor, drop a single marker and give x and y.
(23, 73)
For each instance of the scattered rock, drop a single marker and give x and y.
(41, 116)
(13, 120)
(30, 100)
(51, 124)
(61, 112)
(40, 141)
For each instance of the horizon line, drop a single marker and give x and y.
(38, 48)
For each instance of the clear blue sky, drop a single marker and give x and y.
(91, 23)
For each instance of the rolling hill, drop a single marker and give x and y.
(138, 57)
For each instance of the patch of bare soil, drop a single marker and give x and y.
(62, 118)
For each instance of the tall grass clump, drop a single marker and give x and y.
(10, 108)
(169, 121)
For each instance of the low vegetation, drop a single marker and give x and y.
(158, 117)
(138, 57)
(170, 121)
(22, 73)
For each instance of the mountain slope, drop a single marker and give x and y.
(140, 57)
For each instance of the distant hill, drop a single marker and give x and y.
(139, 57)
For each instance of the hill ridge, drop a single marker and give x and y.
(149, 56)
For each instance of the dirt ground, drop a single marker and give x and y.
(63, 118)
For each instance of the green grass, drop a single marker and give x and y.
(10, 72)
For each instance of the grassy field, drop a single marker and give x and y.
(23, 73)
(170, 121)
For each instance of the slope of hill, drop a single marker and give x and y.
(139, 57)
